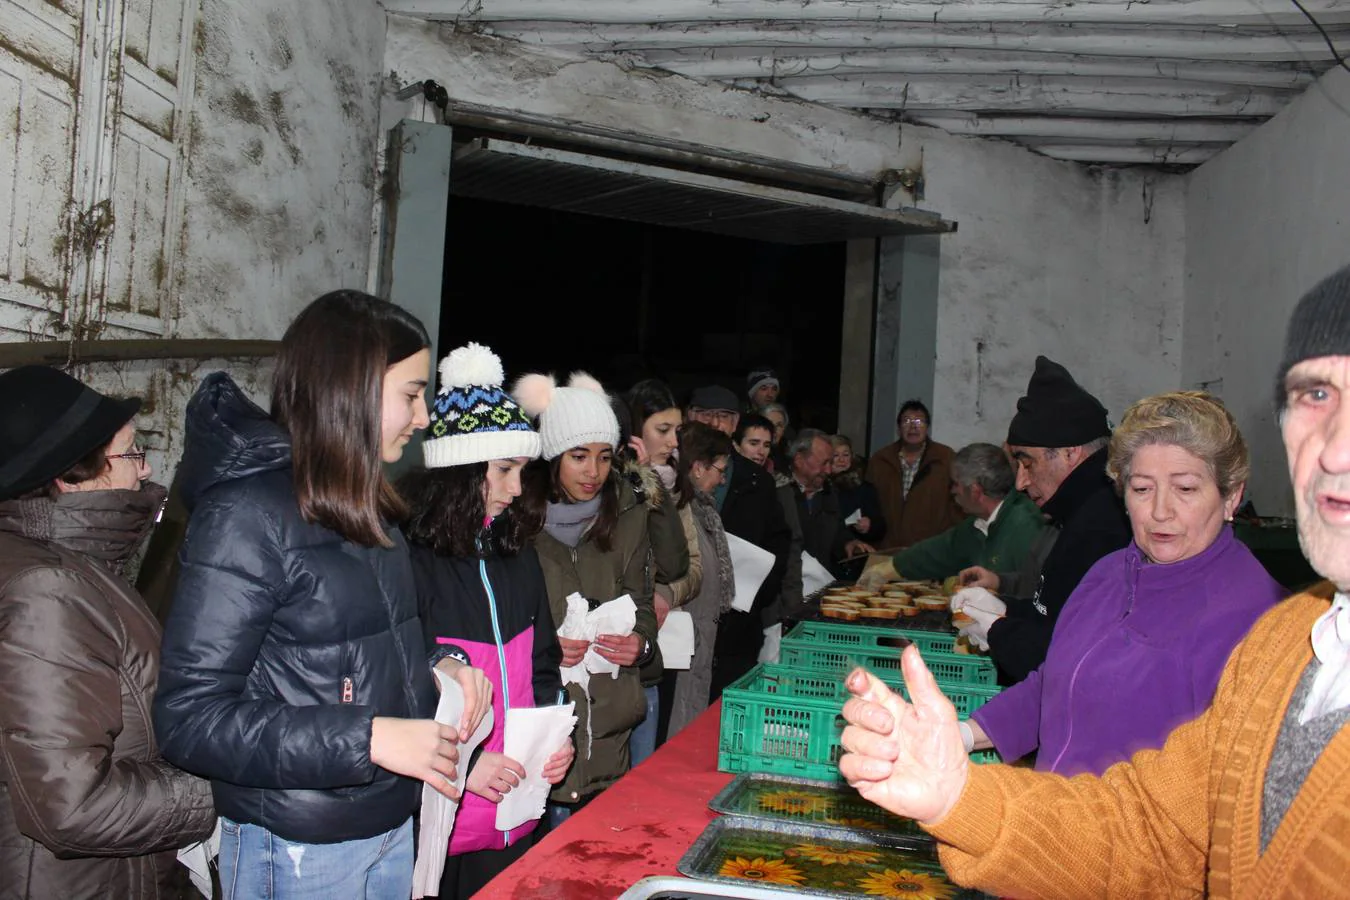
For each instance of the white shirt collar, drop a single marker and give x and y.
(982, 525)
(1331, 645)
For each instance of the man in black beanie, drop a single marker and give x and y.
(1059, 441)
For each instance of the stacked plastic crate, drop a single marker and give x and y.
(785, 718)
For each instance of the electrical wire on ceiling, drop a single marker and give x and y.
(1340, 60)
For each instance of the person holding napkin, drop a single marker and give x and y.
(1143, 638)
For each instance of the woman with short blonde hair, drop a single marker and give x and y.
(1142, 640)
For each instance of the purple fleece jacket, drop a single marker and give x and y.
(1137, 651)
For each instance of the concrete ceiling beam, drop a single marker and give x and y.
(1185, 12)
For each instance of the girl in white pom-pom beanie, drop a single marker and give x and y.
(594, 542)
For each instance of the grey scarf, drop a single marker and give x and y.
(705, 511)
(567, 522)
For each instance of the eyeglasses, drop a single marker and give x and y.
(721, 470)
(718, 414)
(135, 454)
(913, 420)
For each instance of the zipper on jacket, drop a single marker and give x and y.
(501, 659)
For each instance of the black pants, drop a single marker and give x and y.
(468, 873)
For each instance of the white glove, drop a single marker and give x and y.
(984, 608)
(773, 640)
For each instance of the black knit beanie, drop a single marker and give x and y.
(1056, 412)
(1320, 326)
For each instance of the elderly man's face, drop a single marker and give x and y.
(1316, 428)
(811, 468)
(1041, 470)
(724, 420)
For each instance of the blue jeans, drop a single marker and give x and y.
(254, 864)
(642, 740)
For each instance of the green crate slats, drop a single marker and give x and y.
(787, 721)
(837, 648)
(843, 635)
(952, 668)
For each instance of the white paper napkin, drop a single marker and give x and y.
(617, 616)
(815, 577)
(532, 736)
(438, 811)
(676, 640)
(750, 565)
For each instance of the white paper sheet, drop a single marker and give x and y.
(815, 577)
(750, 565)
(676, 640)
(773, 643)
(438, 811)
(532, 736)
(197, 857)
(854, 517)
(617, 616)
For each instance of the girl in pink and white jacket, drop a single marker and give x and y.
(481, 593)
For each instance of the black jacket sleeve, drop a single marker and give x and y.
(871, 507)
(233, 576)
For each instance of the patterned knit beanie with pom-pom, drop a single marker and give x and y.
(472, 419)
(569, 416)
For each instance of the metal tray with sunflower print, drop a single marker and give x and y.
(762, 795)
(818, 862)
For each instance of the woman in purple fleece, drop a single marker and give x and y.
(1140, 644)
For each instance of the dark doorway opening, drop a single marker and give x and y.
(555, 291)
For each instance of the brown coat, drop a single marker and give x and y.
(86, 801)
(929, 509)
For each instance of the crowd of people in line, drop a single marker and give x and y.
(290, 693)
(307, 600)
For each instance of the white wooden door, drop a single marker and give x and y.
(98, 89)
(39, 79)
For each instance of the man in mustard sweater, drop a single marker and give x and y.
(1251, 799)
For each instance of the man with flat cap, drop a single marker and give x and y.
(1059, 441)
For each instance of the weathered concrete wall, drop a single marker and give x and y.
(280, 179)
(1265, 220)
(1082, 265)
(1051, 257)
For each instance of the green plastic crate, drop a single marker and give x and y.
(872, 636)
(787, 721)
(951, 668)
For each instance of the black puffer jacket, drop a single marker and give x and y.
(284, 642)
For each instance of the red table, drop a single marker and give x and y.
(641, 826)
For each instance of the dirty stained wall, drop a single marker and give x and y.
(1265, 220)
(1050, 257)
(279, 178)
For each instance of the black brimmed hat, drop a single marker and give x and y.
(49, 421)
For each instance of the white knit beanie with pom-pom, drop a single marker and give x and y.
(472, 419)
(568, 416)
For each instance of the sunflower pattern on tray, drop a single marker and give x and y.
(829, 866)
(823, 805)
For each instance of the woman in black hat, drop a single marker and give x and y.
(85, 799)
